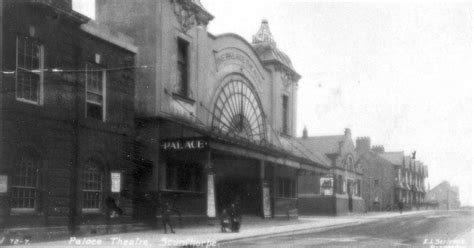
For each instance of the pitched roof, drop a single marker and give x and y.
(314, 155)
(408, 161)
(323, 144)
(394, 157)
(374, 157)
(444, 186)
(298, 148)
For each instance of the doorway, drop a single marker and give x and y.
(244, 192)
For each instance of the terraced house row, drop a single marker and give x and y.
(103, 122)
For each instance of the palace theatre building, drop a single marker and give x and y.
(215, 114)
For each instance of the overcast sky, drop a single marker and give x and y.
(398, 72)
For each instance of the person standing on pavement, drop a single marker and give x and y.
(166, 216)
(225, 222)
(234, 218)
(400, 206)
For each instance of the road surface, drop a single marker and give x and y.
(434, 229)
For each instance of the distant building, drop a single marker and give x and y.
(339, 191)
(378, 176)
(410, 175)
(444, 195)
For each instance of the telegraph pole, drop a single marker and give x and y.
(447, 200)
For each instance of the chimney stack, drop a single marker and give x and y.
(348, 133)
(305, 133)
(363, 144)
(378, 149)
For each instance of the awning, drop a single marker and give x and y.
(242, 147)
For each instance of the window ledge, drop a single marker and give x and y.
(25, 211)
(182, 191)
(91, 211)
(183, 98)
(28, 101)
(287, 198)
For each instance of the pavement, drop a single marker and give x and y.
(433, 229)
(210, 235)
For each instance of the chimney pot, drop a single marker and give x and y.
(378, 149)
(347, 132)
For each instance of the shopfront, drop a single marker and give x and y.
(200, 173)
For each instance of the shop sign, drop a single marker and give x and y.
(327, 185)
(190, 144)
(116, 182)
(3, 183)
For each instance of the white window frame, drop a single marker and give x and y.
(104, 91)
(99, 191)
(40, 72)
(35, 188)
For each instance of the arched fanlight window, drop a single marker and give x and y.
(238, 111)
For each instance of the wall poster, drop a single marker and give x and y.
(211, 202)
(327, 185)
(267, 213)
(3, 183)
(115, 182)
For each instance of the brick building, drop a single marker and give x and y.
(378, 176)
(410, 175)
(337, 191)
(66, 116)
(215, 114)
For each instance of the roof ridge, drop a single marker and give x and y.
(323, 136)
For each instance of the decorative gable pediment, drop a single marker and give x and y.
(190, 13)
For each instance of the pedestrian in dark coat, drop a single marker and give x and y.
(400, 206)
(114, 209)
(234, 218)
(166, 216)
(225, 220)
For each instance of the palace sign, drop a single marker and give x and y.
(190, 144)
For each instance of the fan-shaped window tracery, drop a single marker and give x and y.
(238, 111)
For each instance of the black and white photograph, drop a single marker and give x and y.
(236, 123)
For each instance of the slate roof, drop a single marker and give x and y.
(324, 144)
(303, 150)
(373, 157)
(395, 158)
(298, 148)
(407, 162)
